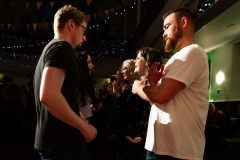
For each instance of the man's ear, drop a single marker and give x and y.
(184, 22)
(70, 24)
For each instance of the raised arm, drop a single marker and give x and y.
(157, 93)
(164, 92)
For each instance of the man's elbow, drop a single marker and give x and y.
(161, 100)
(44, 99)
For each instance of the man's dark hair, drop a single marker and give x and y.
(182, 12)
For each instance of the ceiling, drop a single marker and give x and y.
(224, 28)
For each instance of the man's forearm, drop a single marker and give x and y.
(150, 93)
(142, 94)
(59, 108)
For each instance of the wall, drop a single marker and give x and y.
(235, 80)
(104, 69)
(102, 81)
(225, 59)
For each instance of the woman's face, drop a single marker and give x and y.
(140, 65)
(126, 73)
(90, 65)
(119, 76)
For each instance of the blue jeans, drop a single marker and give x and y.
(70, 154)
(152, 156)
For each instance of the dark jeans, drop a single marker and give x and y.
(71, 154)
(152, 156)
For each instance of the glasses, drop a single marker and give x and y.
(82, 27)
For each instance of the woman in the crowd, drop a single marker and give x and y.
(120, 84)
(134, 111)
(87, 94)
(86, 85)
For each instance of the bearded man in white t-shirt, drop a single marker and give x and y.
(178, 93)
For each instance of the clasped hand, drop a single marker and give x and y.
(154, 75)
(135, 140)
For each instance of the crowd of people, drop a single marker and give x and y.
(149, 110)
(17, 108)
(222, 122)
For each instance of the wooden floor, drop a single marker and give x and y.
(20, 147)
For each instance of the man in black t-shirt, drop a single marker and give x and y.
(59, 126)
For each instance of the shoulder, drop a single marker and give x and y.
(57, 44)
(192, 54)
(191, 51)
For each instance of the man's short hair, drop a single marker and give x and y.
(66, 13)
(182, 12)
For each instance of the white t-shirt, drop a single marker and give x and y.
(176, 128)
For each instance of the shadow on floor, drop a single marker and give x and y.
(19, 146)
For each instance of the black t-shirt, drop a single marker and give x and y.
(51, 133)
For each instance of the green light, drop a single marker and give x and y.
(209, 55)
(1, 76)
(210, 100)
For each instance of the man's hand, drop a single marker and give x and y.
(153, 74)
(138, 85)
(90, 132)
(135, 140)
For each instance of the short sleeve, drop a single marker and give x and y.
(60, 55)
(186, 66)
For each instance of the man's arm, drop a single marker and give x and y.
(51, 96)
(162, 93)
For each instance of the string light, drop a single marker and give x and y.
(204, 4)
(119, 47)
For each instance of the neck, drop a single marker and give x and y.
(63, 36)
(184, 42)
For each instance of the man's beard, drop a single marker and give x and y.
(172, 42)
